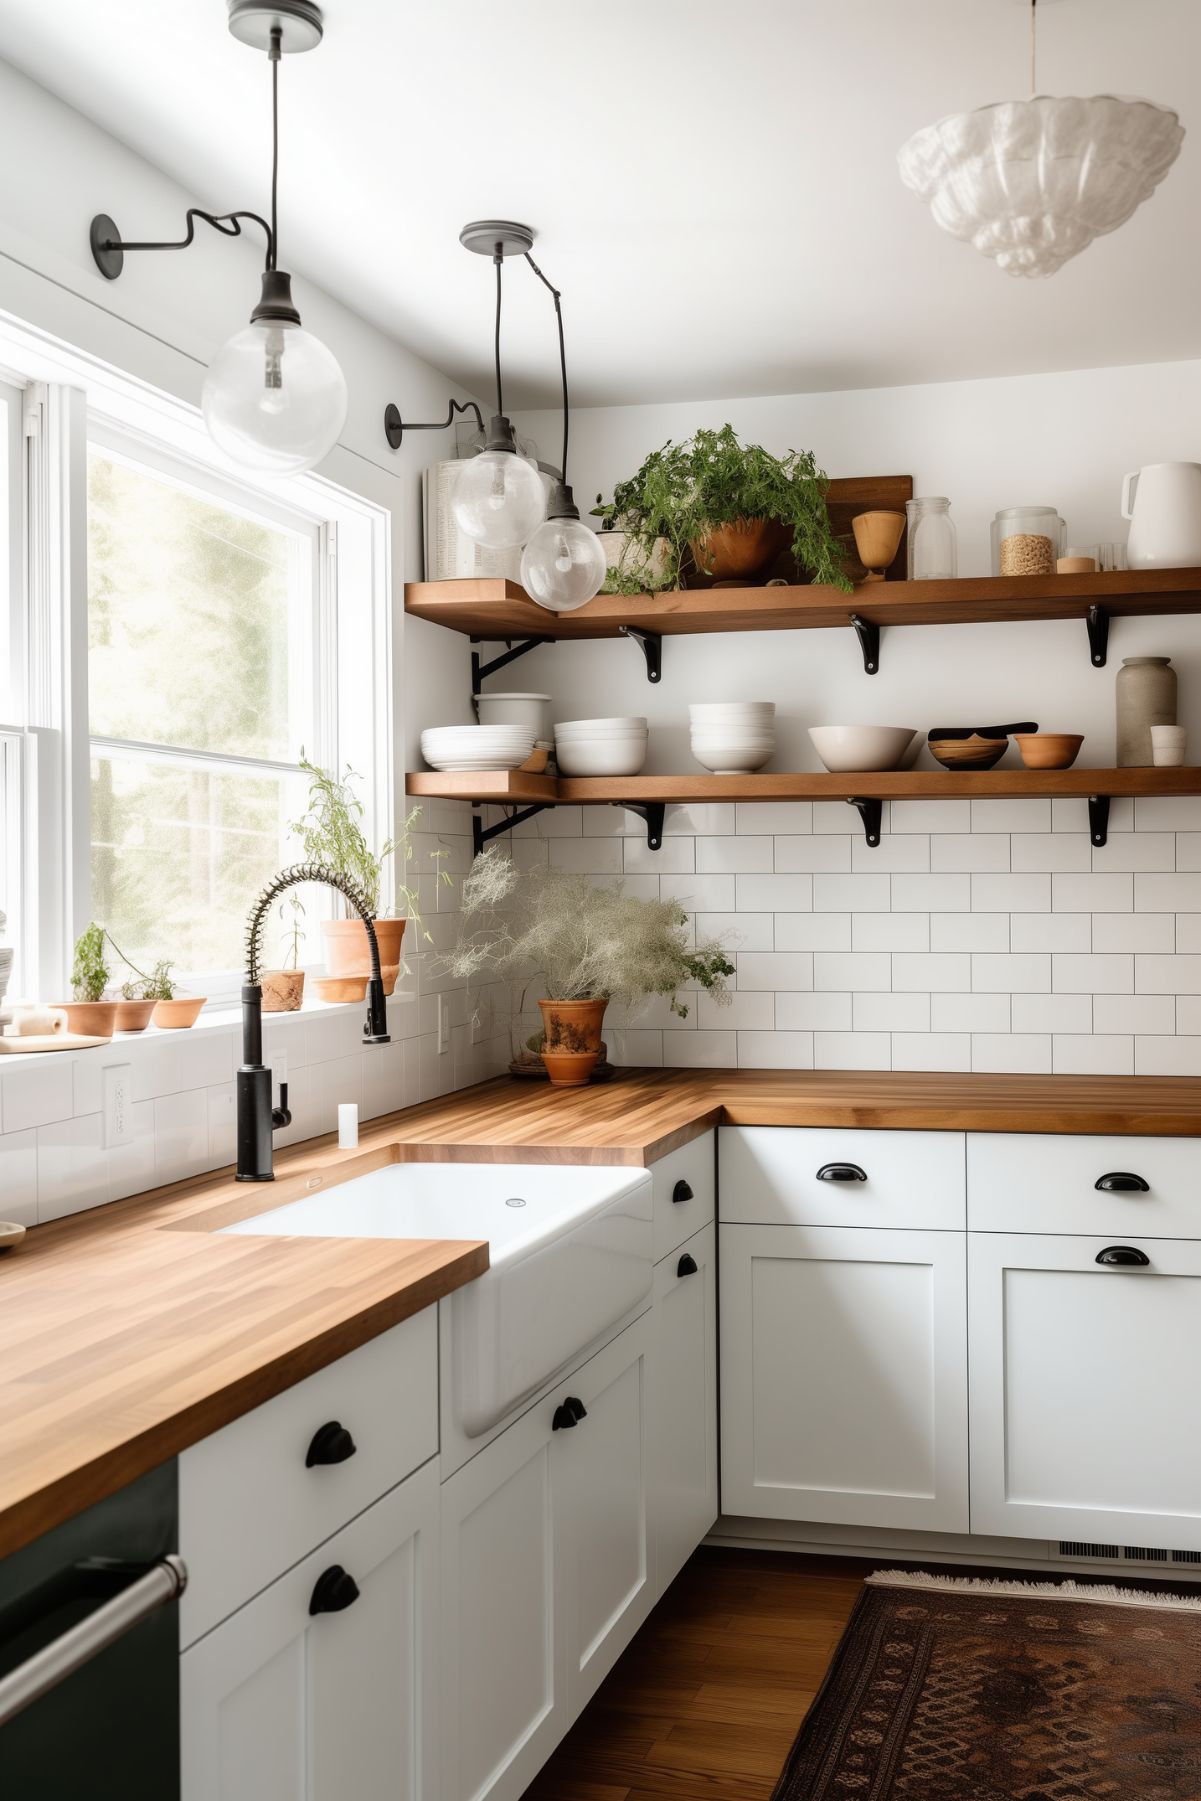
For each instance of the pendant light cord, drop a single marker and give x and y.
(558, 300)
(1033, 48)
(274, 52)
(499, 260)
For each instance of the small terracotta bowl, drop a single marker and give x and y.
(175, 1015)
(1049, 750)
(134, 1016)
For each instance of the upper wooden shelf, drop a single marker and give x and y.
(498, 609)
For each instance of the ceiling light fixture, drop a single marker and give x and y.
(563, 565)
(274, 397)
(1032, 182)
(498, 497)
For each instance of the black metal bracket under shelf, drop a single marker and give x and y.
(482, 834)
(871, 812)
(653, 812)
(651, 645)
(1097, 621)
(480, 671)
(1098, 818)
(868, 634)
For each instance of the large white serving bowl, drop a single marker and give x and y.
(570, 1254)
(600, 756)
(861, 747)
(514, 709)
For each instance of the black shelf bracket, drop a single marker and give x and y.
(1098, 818)
(868, 635)
(1097, 621)
(482, 834)
(871, 812)
(651, 645)
(480, 671)
(654, 813)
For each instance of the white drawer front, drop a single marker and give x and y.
(249, 1507)
(684, 1190)
(798, 1176)
(1023, 1183)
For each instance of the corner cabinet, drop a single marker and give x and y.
(683, 1404)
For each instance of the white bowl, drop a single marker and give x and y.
(731, 757)
(861, 747)
(609, 757)
(591, 728)
(732, 709)
(514, 709)
(749, 740)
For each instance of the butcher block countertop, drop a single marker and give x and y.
(132, 1331)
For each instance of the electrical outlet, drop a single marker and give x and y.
(116, 1103)
(443, 1025)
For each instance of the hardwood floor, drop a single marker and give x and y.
(707, 1700)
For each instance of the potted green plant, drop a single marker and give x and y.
(331, 832)
(150, 995)
(726, 510)
(590, 946)
(87, 1011)
(283, 989)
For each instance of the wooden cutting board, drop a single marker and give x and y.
(49, 1041)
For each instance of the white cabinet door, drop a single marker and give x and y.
(683, 1404)
(503, 1677)
(1085, 1407)
(279, 1704)
(844, 1375)
(601, 1501)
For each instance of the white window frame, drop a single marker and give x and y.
(71, 397)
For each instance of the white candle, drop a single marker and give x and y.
(348, 1125)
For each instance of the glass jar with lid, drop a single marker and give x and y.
(1027, 540)
(933, 551)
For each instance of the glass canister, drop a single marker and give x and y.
(933, 553)
(1027, 541)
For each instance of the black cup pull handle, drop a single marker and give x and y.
(331, 1443)
(687, 1265)
(563, 1418)
(681, 1192)
(333, 1591)
(1121, 1181)
(1123, 1256)
(841, 1172)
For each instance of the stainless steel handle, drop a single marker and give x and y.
(164, 1581)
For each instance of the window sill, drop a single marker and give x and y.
(212, 1019)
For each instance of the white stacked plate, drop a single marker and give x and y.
(601, 746)
(733, 737)
(476, 747)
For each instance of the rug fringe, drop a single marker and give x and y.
(1066, 1590)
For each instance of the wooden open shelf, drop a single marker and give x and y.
(503, 787)
(498, 609)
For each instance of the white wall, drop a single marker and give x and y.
(798, 888)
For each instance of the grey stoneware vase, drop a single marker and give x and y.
(1146, 695)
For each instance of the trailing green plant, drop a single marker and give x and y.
(89, 971)
(157, 984)
(684, 491)
(586, 943)
(331, 832)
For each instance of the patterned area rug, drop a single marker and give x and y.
(950, 1690)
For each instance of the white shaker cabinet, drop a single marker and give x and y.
(844, 1375)
(280, 1703)
(1085, 1405)
(683, 1403)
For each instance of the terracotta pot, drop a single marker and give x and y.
(340, 988)
(93, 1019)
(573, 1039)
(134, 1016)
(740, 551)
(347, 952)
(283, 990)
(173, 1016)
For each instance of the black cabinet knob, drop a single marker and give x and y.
(1120, 1181)
(577, 1407)
(1123, 1256)
(331, 1443)
(333, 1591)
(841, 1172)
(564, 1419)
(681, 1192)
(687, 1265)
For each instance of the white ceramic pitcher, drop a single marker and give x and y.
(1163, 503)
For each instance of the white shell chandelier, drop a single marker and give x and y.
(1032, 182)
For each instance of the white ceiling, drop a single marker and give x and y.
(713, 182)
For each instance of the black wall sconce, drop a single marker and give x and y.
(395, 427)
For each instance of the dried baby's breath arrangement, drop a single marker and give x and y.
(586, 943)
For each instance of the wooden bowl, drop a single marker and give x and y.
(1049, 750)
(876, 538)
(968, 753)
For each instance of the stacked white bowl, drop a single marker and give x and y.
(600, 746)
(733, 737)
(463, 747)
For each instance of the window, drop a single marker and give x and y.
(204, 622)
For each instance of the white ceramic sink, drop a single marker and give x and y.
(569, 1246)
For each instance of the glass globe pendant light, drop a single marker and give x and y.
(498, 497)
(563, 565)
(274, 397)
